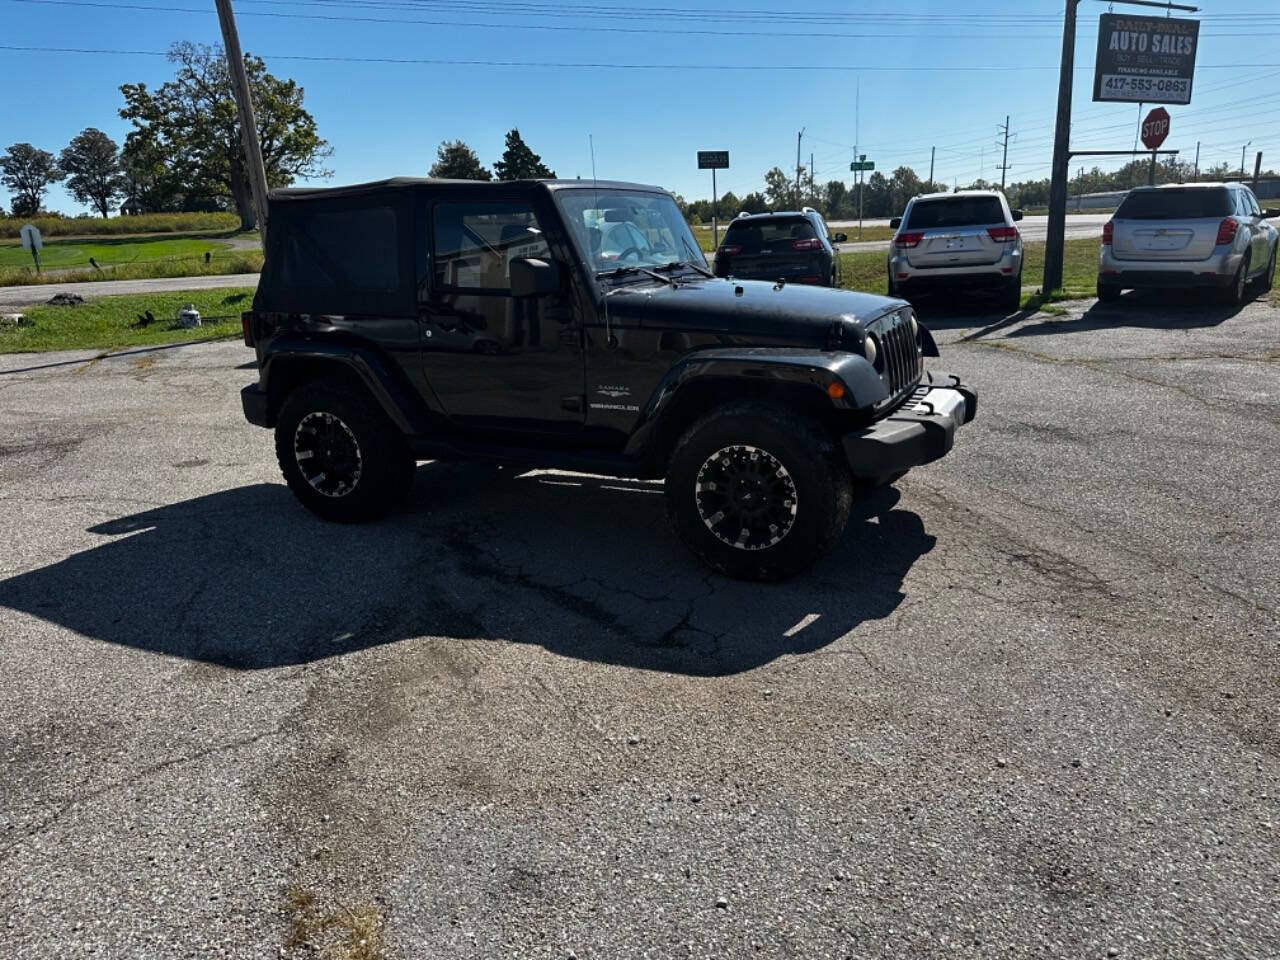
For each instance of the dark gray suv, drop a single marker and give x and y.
(795, 247)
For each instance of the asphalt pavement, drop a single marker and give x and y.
(1029, 705)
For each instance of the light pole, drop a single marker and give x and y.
(799, 137)
(1242, 150)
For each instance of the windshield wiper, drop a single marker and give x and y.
(623, 271)
(686, 263)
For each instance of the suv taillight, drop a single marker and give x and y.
(1226, 231)
(814, 244)
(1108, 231)
(246, 326)
(1002, 234)
(729, 250)
(908, 239)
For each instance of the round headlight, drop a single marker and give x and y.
(915, 325)
(869, 349)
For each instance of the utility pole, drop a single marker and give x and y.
(799, 136)
(248, 122)
(1004, 164)
(1196, 174)
(1055, 241)
(811, 174)
(932, 150)
(1257, 170)
(1242, 150)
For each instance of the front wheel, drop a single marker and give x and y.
(757, 492)
(340, 455)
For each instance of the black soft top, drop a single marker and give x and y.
(397, 184)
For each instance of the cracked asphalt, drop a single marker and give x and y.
(1029, 706)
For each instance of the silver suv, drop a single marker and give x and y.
(1188, 235)
(963, 239)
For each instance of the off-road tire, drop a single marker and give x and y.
(386, 466)
(1011, 295)
(815, 473)
(1238, 293)
(1108, 292)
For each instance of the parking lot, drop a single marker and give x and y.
(1028, 706)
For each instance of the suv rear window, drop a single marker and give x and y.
(956, 212)
(754, 236)
(1175, 205)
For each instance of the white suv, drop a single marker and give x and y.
(1188, 235)
(964, 239)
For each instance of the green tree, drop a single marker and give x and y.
(193, 120)
(91, 164)
(835, 199)
(27, 172)
(154, 182)
(877, 200)
(903, 185)
(519, 162)
(780, 189)
(755, 202)
(456, 161)
(729, 205)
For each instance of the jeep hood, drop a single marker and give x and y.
(792, 312)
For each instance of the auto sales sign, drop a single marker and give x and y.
(1145, 59)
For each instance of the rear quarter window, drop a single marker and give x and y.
(955, 212)
(1175, 205)
(754, 237)
(355, 249)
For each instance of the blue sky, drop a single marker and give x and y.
(386, 119)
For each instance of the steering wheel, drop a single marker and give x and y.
(631, 250)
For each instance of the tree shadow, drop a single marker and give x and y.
(1144, 309)
(584, 566)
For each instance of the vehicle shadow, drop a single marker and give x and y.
(584, 566)
(1148, 309)
(942, 312)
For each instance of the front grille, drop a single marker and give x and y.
(898, 360)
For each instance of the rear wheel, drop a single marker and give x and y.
(756, 491)
(1269, 275)
(340, 455)
(1108, 292)
(1237, 294)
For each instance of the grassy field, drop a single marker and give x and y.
(122, 226)
(867, 270)
(109, 323)
(61, 255)
(238, 261)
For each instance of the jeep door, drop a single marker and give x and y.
(495, 361)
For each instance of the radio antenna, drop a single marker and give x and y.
(599, 254)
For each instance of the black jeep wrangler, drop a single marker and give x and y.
(575, 325)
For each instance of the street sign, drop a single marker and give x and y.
(1145, 59)
(1155, 128)
(31, 238)
(713, 159)
(862, 165)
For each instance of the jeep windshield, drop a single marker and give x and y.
(627, 233)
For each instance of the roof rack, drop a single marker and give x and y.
(808, 210)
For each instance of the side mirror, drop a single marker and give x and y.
(1270, 213)
(895, 223)
(840, 238)
(1017, 215)
(534, 278)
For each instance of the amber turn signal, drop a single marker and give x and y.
(835, 390)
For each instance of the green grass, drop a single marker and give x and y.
(867, 271)
(106, 323)
(118, 226)
(65, 255)
(239, 261)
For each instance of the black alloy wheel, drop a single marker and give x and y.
(746, 497)
(327, 454)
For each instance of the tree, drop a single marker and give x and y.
(27, 172)
(903, 185)
(780, 189)
(153, 181)
(456, 161)
(755, 202)
(519, 162)
(877, 199)
(193, 122)
(835, 198)
(91, 164)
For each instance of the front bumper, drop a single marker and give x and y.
(254, 401)
(920, 431)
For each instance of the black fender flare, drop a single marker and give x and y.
(928, 345)
(808, 370)
(385, 383)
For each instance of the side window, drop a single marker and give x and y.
(1251, 202)
(476, 242)
(354, 248)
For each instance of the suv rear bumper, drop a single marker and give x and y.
(254, 401)
(1217, 270)
(920, 431)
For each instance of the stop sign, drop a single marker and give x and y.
(1155, 128)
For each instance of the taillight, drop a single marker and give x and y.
(908, 239)
(246, 327)
(1002, 234)
(1226, 231)
(814, 244)
(729, 250)
(1108, 231)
